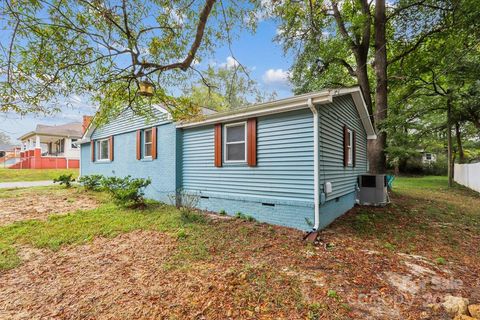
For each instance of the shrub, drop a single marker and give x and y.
(223, 212)
(127, 191)
(92, 182)
(65, 179)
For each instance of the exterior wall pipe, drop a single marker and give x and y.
(316, 193)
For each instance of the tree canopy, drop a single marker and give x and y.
(386, 49)
(104, 49)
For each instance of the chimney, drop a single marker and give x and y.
(86, 123)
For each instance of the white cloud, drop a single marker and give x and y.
(230, 63)
(277, 77)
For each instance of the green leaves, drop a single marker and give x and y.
(103, 49)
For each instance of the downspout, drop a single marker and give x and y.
(316, 191)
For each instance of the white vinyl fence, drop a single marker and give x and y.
(468, 175)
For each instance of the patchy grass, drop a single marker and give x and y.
(83, 226)
(13, 175)
(425, 217)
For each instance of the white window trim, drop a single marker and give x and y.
(225, 160)
(144, 143)
(350, 147)
(97, 149)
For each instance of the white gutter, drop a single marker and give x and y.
(316, 191)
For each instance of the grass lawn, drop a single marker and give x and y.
(176, 265)
(12, 175)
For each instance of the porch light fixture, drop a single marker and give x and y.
(146, 88)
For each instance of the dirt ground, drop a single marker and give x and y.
(131, 277)
(373, 263)
(33, 203)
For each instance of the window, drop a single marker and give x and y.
(103, 149)
(349, 146)
(60, 146)
(234, 142)
(428, 156)
(74, 145)
(147, 143)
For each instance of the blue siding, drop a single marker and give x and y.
(162, 170)
(283, 176)
(128, 121)
(284, 161)
(332, 118)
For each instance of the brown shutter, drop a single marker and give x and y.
(110, 147)
(139, 144)
(154, 143)
(218, 145)
(345, 146)
(252, 142)
(92, 146)
(354, 149)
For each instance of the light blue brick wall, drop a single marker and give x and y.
(162, 170)
(287, 213)
(332, 209)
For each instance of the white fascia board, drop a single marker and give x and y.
(279, 106)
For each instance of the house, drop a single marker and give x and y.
(291, 162)
(428, 157)
(51, 147)
(9, 154)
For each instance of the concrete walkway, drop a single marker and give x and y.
(25, 184)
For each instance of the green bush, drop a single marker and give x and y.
(92, 182)
(65, 179)
(127, 191)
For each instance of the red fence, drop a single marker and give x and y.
(32, 159)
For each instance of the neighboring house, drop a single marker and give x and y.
(51, 147)
(9, 155)
(428, 157)
(291, 162)
(9, 150)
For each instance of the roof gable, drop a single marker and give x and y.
(127, 121)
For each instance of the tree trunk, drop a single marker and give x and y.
(449, 143)
(362, 79)
(458, 134)
(376, 150)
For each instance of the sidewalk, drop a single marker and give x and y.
(25, 184)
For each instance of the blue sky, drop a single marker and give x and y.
(258, 52)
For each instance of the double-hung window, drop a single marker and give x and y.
(349, 146)
(235, 142)
(103, 150)
(147, 143)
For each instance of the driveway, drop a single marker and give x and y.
(25, 184)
